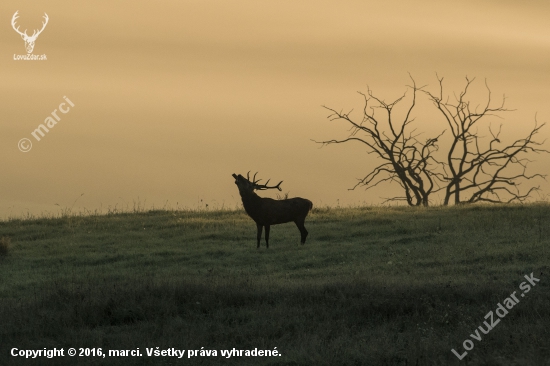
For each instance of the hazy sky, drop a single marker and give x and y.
(172, 97)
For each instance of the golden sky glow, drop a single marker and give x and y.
(172, 97)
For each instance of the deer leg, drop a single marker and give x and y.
(259, 236)
(303, 231)
(267, 227)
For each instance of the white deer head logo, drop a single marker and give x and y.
(29, 41)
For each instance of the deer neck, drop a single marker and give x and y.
(251, 202)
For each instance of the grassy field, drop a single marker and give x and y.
(372, 286)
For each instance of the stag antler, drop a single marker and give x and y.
(34, 35)
(36, 32)
(262, 186)
(13, 19)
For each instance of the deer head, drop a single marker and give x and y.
(247, 186)
(29, 40)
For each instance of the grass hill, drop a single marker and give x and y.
(372, 286)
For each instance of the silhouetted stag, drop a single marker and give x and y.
(267, 211)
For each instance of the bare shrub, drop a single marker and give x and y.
(5, 243)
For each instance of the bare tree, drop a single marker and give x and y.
(476, 171)
(405, 160)
(471, 170)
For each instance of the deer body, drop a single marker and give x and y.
(267, 211)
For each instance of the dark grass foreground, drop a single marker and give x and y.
(375, 286)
